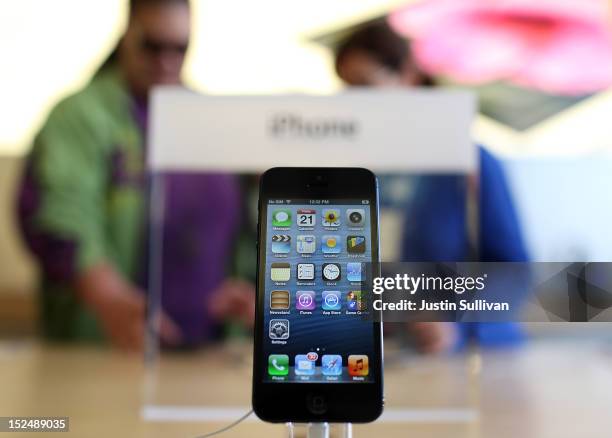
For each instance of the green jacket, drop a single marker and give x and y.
(73, 212)
(83, 201)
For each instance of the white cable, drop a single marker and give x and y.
(228, 427)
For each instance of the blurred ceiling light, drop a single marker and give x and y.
(557, 46)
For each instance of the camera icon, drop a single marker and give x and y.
(356, 217)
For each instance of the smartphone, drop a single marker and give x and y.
(317, 350)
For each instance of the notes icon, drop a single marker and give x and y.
(280, 272)
(358, 365)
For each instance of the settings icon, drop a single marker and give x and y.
(279, 329)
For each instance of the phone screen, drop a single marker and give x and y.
(314, 325)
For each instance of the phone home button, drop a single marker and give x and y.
(316, 403)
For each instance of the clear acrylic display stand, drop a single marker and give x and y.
(211, 384)
(202, 383)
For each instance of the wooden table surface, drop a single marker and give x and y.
(546, 389)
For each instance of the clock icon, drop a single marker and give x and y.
(331, 272)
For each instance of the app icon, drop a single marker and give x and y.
(330, 244)
(306, 218)
(281, 218)
(331, 365)
(331, 218)
(305, 271)
(354, 301)
(278, 365)
(331, 300)
(304, 366)
(353, 271)
(280, 272)
(279, 329)
(279, 300)
(305, 300)
(355, 217)
(281, 243)
(306, 244)
(358, 365)
(331, 271)
(355, 244)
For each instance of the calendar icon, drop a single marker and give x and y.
(306, 218)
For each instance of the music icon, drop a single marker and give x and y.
(358, 365)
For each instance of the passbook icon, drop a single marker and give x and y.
(355, 244)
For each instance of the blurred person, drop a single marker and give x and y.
(83, 205)
(436, 223)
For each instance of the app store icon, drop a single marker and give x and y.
(331, 300)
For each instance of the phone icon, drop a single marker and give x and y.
(278, 365)
(331, 300)
(281, 218)
(355, 244)
(358, 365)
(330, 244)
(331, 218)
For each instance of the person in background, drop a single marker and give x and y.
(436, 222)
(83, 205)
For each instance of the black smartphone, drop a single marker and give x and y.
(317, 351)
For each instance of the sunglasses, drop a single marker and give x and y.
(155, 47)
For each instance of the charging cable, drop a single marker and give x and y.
(228, 427)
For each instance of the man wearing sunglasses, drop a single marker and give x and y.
(82, 205)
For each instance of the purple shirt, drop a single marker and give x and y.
(202, 220)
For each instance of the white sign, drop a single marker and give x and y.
(420, 131)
